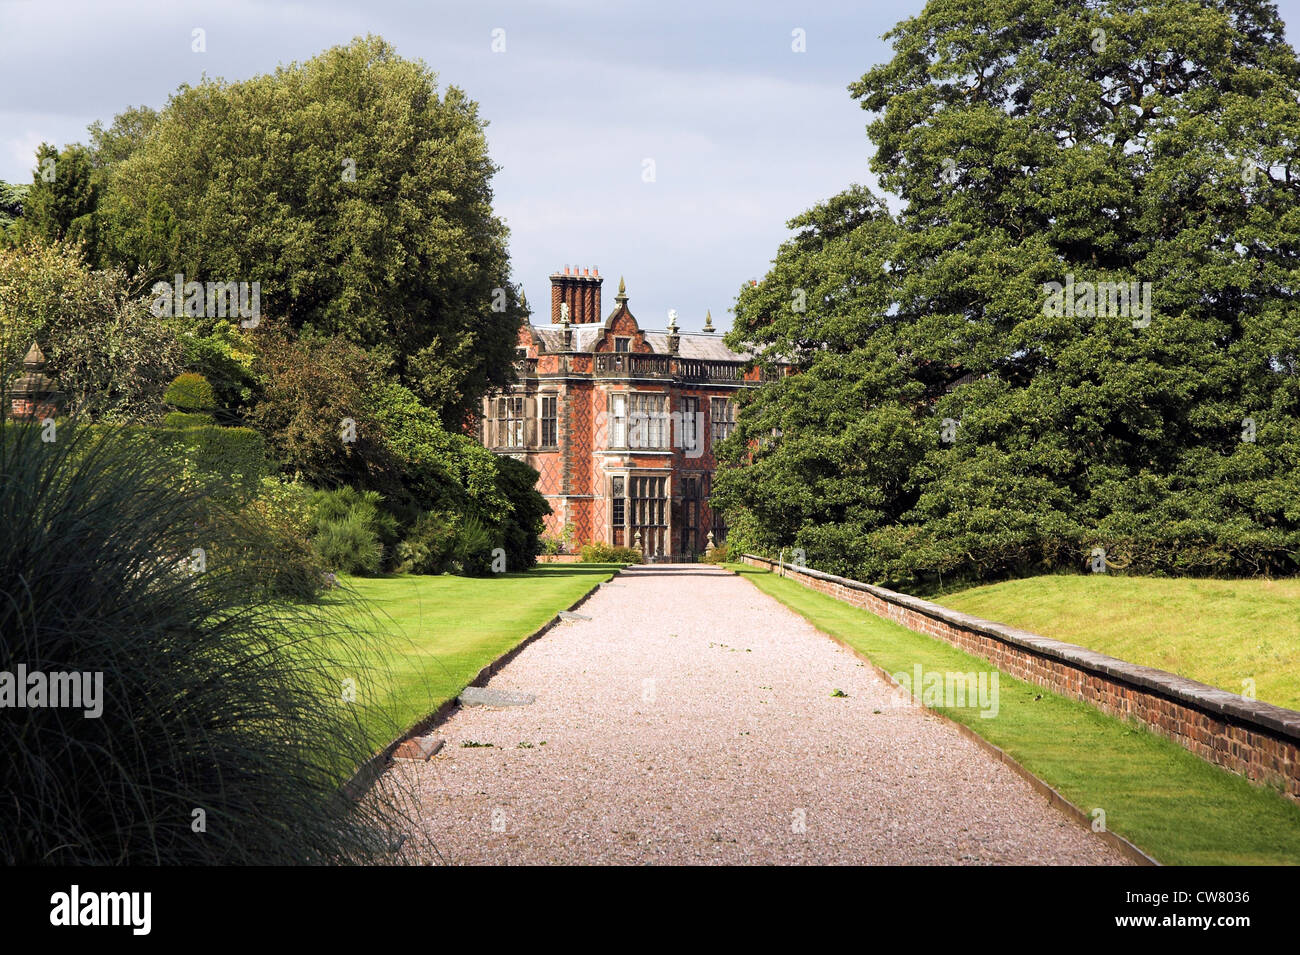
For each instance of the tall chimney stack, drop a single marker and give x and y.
(578, 288)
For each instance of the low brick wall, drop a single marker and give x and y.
(1257, 740)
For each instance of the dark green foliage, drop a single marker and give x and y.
(454, 473)
(429, 547)
(1026, 148)
(313, 407)
(216, 696)
(521, 529)
(349, 545)
(225, 358)
(472, 551)
(350, 530)
(62, 203)
(354, 190)
(226, 463)
(235, 457)
(12, 197)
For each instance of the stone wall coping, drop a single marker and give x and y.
(1278, 720)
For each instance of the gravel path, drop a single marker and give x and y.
(691, 721)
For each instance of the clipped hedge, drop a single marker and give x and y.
(187, 419)
(235, 455)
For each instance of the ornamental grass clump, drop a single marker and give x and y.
(228, 717)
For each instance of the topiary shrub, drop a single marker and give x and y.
(190, 392)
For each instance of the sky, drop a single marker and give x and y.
(667, 142)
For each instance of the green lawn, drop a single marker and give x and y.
(1176, 807)
(1220, 632)
(435, 633)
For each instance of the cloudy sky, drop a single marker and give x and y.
(743, 131)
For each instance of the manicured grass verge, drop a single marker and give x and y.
(1220, 632)
(438, 632)
(1174, 806)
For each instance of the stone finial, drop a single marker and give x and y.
(564, 313)
(708, 323)
(34, 396)
(672, 320)
(622, 290)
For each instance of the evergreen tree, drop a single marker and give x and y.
(974, 396)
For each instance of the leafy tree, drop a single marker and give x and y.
(314, 411)
(11, 205)
(354, 191)
(62, 202)
(130, 128)
(947, 418)
(111, 357)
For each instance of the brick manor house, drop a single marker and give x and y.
(619, 421)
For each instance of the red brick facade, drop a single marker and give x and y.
(619, 421)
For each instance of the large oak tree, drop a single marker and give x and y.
(946, 420)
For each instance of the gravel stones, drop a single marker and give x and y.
(691, 721)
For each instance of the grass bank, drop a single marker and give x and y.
(1176, 807)
(438, 632)
(1220, 632)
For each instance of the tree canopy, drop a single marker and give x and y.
(355, 192)
(987, 384)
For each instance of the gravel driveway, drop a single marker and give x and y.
(692, 720)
